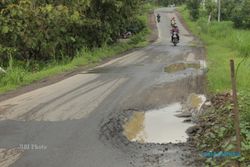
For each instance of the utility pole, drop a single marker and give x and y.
(219, 9)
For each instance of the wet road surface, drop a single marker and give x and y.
(78, 122)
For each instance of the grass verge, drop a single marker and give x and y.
(223, 42)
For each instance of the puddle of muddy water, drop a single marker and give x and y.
(180, 67)
(157, 126)
(196, 101)
(135, 126)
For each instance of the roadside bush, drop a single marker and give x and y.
(46, 31)
(40, 38)
(245, 14)
(193, 6)
(170, 2)
(244, 104)
(227, 8)
(237, 18)
(136, 26)
(241, 17)
(211, 8)
(39, 33)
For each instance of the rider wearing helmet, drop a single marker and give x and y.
(175, 29)
(158, 17)
(173, 22)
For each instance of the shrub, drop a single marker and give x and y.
(241, 17)
(42, 31)
(193, 6)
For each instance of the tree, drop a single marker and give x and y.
(245, 12)
(210, 6)
(227, 8)
(45, 30)
(240, 14)
(170, 2)
(193, 6)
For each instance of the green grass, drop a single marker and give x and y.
(223, 43)
(17, 76)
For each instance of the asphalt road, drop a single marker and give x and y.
(61, 125)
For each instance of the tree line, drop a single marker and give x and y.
(170, 2)
(44, 30)
(231, 10)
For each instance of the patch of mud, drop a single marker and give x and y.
(9, 156)
(157, 126)
(134, 128)
(180, 67)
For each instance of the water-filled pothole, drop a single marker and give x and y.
(180, 67)
(196, 101)
(157, 126)
(134, 127)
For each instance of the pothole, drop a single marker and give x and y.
(195, 102)
(134, 127)
(180, 67)
(157, 126)
(192, 107)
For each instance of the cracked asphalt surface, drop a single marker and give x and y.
(78, 122)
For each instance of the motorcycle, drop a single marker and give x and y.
(175, 39)
(158, 19)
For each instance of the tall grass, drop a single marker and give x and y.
(223, 42)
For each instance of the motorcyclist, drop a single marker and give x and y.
(173, 22)
(158, 17)
(175, 29)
